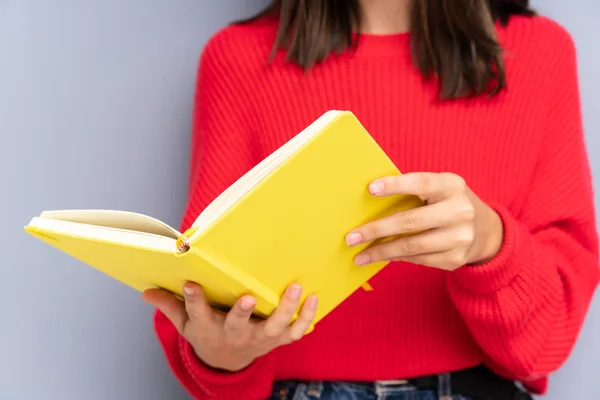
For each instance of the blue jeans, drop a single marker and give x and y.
(383, 390)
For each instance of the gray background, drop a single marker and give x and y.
(95, 110)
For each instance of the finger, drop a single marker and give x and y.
(306, 317)
(279, 320)
(432, 216)
(238, 317)
(195, 304)
(432, 241)
(430, 187)
(169, 305)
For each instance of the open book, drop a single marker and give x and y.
(284, 221)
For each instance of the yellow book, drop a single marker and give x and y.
(284, 221)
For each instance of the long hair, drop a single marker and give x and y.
(453, 41)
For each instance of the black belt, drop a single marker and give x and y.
(479, 383)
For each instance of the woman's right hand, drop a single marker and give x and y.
(231, 341)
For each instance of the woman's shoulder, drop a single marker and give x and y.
(241, 46)
(538, 37)
(539, 52)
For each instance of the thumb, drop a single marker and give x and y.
(169, 305)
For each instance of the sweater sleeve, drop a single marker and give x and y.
(526, 307)
(221, 151)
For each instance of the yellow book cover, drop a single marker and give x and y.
(284, 221)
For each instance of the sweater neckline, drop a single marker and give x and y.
(381, 45)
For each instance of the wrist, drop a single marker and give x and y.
(489, 238)
(222, 366)
(222, 361)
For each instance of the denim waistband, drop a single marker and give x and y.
(392, 390)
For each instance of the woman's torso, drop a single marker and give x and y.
(408, 325)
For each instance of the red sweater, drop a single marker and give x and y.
(522, 152)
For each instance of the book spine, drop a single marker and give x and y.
(227, 277)
(183, 242)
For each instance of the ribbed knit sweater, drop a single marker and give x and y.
(522, 152)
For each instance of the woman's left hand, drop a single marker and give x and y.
(454, 227)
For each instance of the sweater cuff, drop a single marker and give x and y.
(516, 251)
(255, 381)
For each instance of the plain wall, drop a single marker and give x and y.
(580, 376)
(95, 111)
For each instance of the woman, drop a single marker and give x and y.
(477, 103)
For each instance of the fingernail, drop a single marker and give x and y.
(376, 187)
(362, 259)
(188, 291)
(247, 304)
(353, 238)
(312, 303)
(294, 292)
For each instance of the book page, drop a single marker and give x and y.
(50, 227)
(123, 220)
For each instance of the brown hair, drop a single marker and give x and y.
(452, 40)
